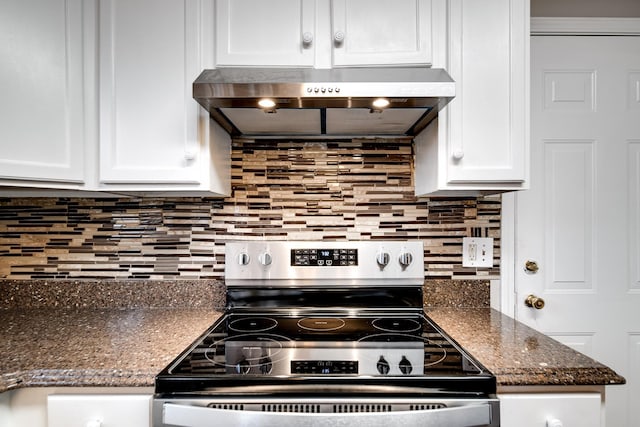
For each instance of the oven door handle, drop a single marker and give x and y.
(473, 415)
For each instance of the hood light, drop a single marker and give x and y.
(268, 105)
(380, 103)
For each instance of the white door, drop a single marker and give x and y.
(580, 221)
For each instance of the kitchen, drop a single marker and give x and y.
(287, 190)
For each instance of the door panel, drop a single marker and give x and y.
(569, 214)
(580, 221)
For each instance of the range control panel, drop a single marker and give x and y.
(324, 263)
(324, 257)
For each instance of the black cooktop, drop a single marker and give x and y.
(316, 351)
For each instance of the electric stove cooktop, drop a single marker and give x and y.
(317, 348)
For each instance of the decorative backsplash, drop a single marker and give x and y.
(282, 190)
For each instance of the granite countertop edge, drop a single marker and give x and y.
(517, 354)
(514, 353)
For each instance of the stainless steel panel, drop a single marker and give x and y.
(280, 272)
(327, 413)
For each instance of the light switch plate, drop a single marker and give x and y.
(477, 251)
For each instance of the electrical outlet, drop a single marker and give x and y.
(477, 252)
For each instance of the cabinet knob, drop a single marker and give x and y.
(190, 155)
(307, 39)
(458, 155)
(338, 37)
(534, 302)
(554, 422)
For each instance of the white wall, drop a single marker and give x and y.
(586, 8)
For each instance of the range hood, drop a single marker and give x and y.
(305, 102)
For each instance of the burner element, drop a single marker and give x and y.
(394, 324)
(321, 324)
(253, 324)
(244, 354)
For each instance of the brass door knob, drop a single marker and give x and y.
(531, 267)
(534, 302)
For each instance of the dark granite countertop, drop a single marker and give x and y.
(123, 333)
(93, 346)
(128, 347)
(518, 355)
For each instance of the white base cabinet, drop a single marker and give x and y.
(480, 141)
(76, 407)
(551, 410)
(98, 410)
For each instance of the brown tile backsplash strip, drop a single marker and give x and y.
(112, 294)
(281, 190)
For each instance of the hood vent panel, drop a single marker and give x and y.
(332, 102)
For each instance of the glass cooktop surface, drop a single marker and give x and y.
(269, 348)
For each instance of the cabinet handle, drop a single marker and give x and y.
(458, 155)
(338, 37)
(190, 155)
(307, 39)
(554, 422)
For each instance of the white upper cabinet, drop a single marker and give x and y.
(42, 81)
(482, 139)
(152, 137)
(321, 34)
(258, 32)
(381, 32)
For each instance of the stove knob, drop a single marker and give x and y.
(405, 366)
(265, 259)
(383, 259)
(405, 259)
(243, 258)
(383, 366)
(266, 365)
(243, 366)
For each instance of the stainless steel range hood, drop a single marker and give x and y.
(304, 102)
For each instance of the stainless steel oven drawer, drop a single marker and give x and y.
(284, 412)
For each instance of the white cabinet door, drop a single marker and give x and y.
(42, 81)
(265, 33)
(379, 32)
(99, 410)
(308, 33)
(551, 410)
(482, 142)
(150, 53)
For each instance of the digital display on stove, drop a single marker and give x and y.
(324, 367)
(324, 257)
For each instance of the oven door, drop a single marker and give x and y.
(284, 412)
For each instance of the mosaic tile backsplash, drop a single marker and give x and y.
(281, 190)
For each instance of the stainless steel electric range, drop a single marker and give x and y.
(325, 334)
